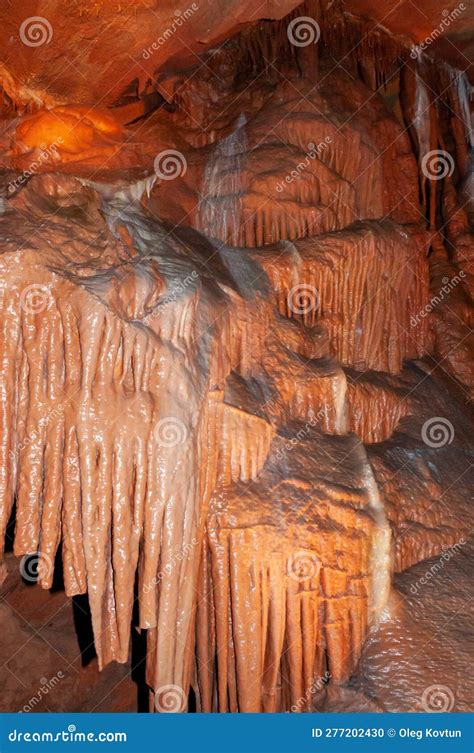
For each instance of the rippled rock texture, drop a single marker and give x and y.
(236, 359)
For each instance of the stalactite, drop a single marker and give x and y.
(285, 613)
(219, 215)
(374, 410)
(244, 445)
(189, 371)
(427, 509)
(364, 255)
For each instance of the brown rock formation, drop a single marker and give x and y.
(416, 660)
(236, 346)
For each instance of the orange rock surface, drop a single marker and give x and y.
(236, 345)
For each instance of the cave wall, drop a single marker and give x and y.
(227, 348)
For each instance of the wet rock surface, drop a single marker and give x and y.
(235, 367)
(416, 660)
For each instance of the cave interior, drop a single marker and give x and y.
(236, 356)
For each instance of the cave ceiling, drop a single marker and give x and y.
(93, 52)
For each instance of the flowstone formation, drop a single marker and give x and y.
(236, 351)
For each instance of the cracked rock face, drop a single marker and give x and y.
(236, 353)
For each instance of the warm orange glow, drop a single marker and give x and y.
(67, 130)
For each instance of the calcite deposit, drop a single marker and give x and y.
(236, 264)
